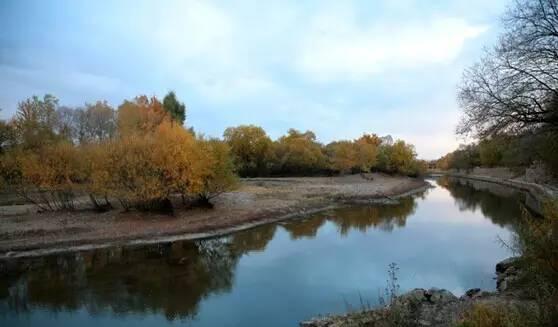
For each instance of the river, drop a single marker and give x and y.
(449, 236)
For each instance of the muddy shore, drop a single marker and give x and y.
(257, 201)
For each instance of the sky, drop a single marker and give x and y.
(338, 68)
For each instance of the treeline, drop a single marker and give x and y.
(142, 156)
(299, 153)
(504, 150)
(139, 155)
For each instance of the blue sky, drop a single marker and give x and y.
(338, 68)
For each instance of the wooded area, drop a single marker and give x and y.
(141, 155)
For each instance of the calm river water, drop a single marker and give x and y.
(274, 275)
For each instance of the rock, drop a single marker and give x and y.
(315, 323)
(502, 285)
(441, 296)
(507, 272)
(432, 296)
(504, 265)
(473, 292)
(416, 295)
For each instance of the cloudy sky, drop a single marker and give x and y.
(338, 68)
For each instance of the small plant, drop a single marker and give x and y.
(392, 287)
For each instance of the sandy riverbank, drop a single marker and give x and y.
(257, 201)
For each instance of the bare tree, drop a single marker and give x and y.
(100, 121)
(94, 123)
(514, 88)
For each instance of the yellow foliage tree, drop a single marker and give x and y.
(221, 175)
(299, 153)
(367, 151)
(251, 149)
(183, 162)
(141, 115)
(146, 170)
(56, 174)
(343, 156)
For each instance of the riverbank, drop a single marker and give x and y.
(257, 201)
(435, 307)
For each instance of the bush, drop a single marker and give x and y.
(49, 177)
(537, 242)
(144, 171)
(485, 315)
(220, 174)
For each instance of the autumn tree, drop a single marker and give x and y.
(35, 121)
(299, 153)
(367, 151)
(251, 149)
(51, 176)
(145, 170)
(220, 175)
(403, 156)
(445, 162)
(141, 115)
(343, 156)
(176, 109)
(399, 157)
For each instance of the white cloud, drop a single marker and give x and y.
(205, 47)
(79, 86)
(222, 89)
(192, 29)
(336, 46)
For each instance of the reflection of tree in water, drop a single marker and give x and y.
(501, 209)
(385, 217)
(305, 228)
(168, 278)
(255, 239)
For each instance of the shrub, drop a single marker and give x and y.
(537, 242)
(220, 174)
(485, 315)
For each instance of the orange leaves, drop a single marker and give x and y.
(182, 161)
(142, 115)
(251, 149)
(53, 167)
(220, 177)
(343, 156)
(299, 153)
(140, 169)
(150, 159)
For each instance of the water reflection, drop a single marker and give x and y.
(499, 203)
(169, 278)
(385, 217)
(292, 270)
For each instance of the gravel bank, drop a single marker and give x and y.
(257, 201)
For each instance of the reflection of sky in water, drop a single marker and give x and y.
(293, 279)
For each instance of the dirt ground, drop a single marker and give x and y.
(259, 200)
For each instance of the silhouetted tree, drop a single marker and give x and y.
(515, 86)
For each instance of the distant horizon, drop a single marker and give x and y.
(339, 70)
